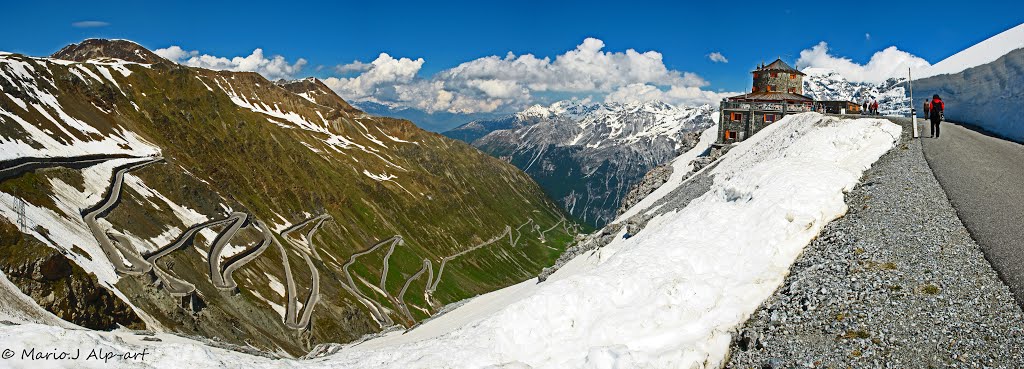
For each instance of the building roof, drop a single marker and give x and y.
(779, 65)
(771, 96)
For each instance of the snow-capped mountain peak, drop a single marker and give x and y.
(605, 147)
(827, 84)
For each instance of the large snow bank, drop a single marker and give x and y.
(666, 297)
(987, 96)
(981, 53)
(681, 166)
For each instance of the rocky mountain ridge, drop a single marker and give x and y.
(827, 84)
(588, 155)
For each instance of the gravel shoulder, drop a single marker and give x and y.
(895, 283)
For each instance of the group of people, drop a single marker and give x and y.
(934, 110)
(870, 108)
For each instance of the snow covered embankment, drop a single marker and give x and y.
(666, 297)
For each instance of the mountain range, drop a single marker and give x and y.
(827, 84)
(586, 155)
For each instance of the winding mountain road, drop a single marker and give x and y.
(122, 256)
(293, 319)
(378, 311)
(983, 177)
(236, 261)
(175, 286)
(16, 167)
(213, 256)
(127, 260)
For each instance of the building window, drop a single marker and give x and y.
(769, 118)
(755, 75)
(792, 76)
(729, 135)
(736, 117)
(792, 90)
(754, 90)
(775, 74)
(768, 88)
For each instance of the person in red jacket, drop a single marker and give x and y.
(936, 114)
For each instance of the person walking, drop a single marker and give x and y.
(865, 109)
(926, 105)
(874, 107)
(936, 109)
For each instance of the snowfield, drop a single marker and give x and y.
(981, 53)
(667, 297)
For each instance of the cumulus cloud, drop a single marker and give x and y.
(275, 67)
(356, 66)
(885, 64)
(89, 24)
(495, 82)
(379, 79)
(175, 53)
(717, 57)
(486, 84)
(675, 95)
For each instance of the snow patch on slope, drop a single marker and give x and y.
(666, 297)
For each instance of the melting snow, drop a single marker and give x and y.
(379, 177)
(666, 297)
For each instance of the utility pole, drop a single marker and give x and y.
(19, 206)
(913, 111)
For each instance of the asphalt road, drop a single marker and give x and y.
(983, 177)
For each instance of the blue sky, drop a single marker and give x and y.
(446, 34)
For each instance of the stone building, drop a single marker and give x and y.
(778, 90)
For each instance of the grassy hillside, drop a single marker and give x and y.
(285, 153)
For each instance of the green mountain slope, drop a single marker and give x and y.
(281, 154)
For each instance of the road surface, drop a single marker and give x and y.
(237, 261)
(175, 286)
(124, 258)
(983, 177)
(16, 167)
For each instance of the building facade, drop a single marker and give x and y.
(777, 91)
(837, 107)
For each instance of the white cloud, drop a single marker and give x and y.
(867, 36)
(885, 64)
(717, 57)
(356, 66)
(272, 68)
(493, 82)
(174, 53)
(675, 95)
(89, 24)
(486, 84)
(379, 79)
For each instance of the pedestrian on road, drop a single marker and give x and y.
(937, 108)
(926, 106)
(874, 107)
(865, 109)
